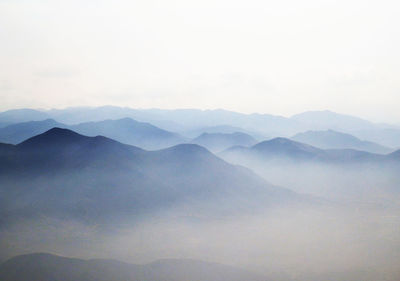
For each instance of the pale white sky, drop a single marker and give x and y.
(280, 57)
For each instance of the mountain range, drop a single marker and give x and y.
(330, 139)
(49, 267)
(290, 150)
(218, 141)
(124, 130)
(63, 173)
(341, 175)
(185, 121)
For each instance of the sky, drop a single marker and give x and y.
(278, 57)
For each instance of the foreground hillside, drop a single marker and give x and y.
(47, 267)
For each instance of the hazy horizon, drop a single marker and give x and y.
(390, 122)
(271, 57)
(260, 135)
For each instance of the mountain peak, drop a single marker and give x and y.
(279, 141)
(188, 148)
(52, 136)
(287, 146)
(57, 132)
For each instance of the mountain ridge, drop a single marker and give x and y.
(110, 174)
(330, 139)
(49, 267)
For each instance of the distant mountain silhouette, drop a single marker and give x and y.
(323, 120)
(395, 155)
(342, 175)
(64, 173)
(19, 132)
(386, 136)
(22, 115)
(222, 129)
(124, 130)
(189, 120)
(131, 132)
(48, 267)
(286, 149)
(217, 142)
(330, 139)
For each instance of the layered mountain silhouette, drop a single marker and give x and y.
(21, 115)
(63, 173)
(323, 120)
(342, 175)
(124, 130)
(131, 132)
(187, 120)
(19, 132)
(221, 129)
(330, 139)
(286, 149)
(217, 142)
(48, 267)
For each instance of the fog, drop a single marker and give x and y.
(283, 244)
(363, 183)
(287, 218)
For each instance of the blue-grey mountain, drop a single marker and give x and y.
(330, 139)
(124, 130)
(218, 141)
(62, 173)
(48, 267)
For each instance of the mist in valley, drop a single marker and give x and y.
(281, 244)
(184, 140)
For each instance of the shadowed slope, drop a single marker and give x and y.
(96, 178)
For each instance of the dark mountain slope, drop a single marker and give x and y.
(63, 173)
(47, 267)
(124, 130)
(19, 132)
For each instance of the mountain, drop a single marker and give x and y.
(289, 150)
(323, 120)
(65, 174)
(186, 120)
(217, 142)
(21, 115)
(124, 130)
(48, 267)
(19, 132)
(176, 120)
(221, 129)
(342, 175)
(395, 155)
(386, 136)
(330, 139)
(131, 132)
